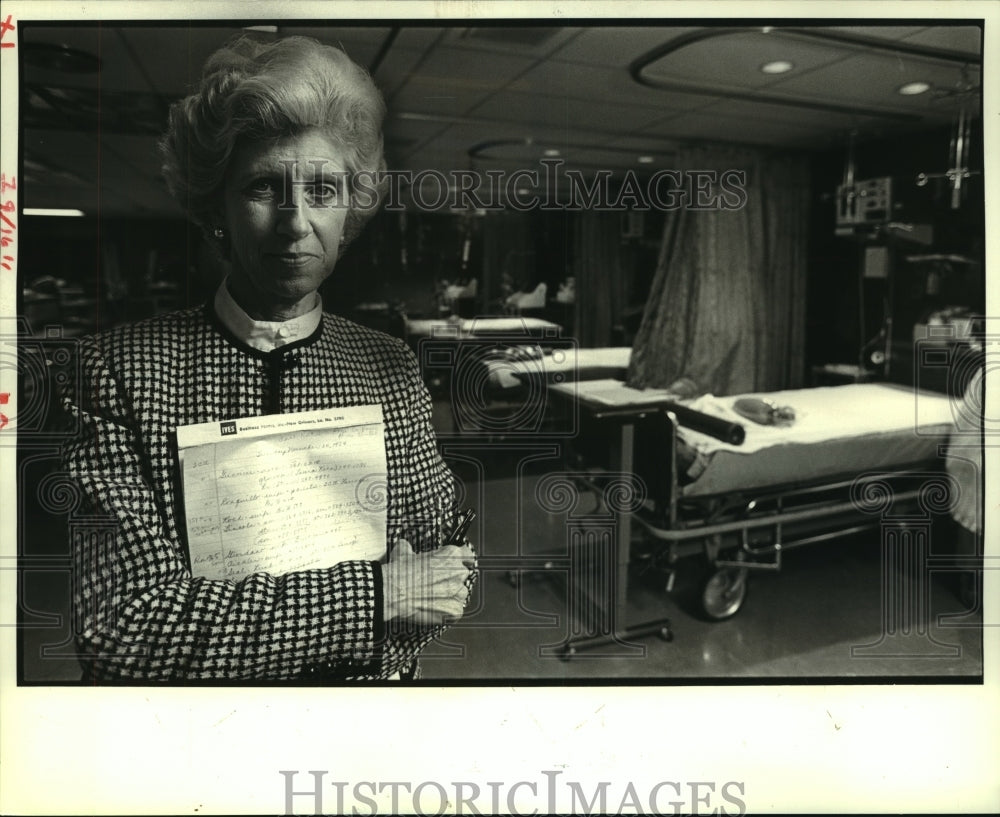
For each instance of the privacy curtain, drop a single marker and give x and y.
(600, 279)
(727, 304)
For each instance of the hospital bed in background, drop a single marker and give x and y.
(453, 352)
(855, 456)
(497, 381)
(514, 329)
(722, 495)
(516, 368)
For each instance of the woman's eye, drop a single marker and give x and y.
(261, 189)
(324, 193)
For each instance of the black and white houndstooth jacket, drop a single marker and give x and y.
(143, 615)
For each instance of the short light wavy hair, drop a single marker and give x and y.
(256, 91)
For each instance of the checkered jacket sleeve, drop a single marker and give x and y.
(143, 615)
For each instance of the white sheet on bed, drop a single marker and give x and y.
(829, 413)
(471, 327)
(572, 362)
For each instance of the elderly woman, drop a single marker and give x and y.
(262, 157)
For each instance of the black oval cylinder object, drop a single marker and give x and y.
(725, 430)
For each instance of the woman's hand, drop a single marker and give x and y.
(428, 588)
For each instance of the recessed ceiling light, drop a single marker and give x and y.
(913, 88)
(777, 67)
(552, 152)
(645, 160)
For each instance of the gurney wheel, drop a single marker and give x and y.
(724, 593)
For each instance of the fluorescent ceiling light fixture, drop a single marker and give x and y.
(913, 88)
(552, 152)
(51, 211)
(777, 67)
(645, 160)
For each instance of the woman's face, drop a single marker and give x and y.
(285, 203)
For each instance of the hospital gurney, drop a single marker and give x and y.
(853, 453)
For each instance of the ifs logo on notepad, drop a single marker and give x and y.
(227, 428)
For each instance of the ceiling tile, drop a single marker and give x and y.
(729, 129)
(454, 80)
(340, 34)
(173, 57)
(733, 60)
(888, 33)
(396, 68)
(424, 95)
(407, 130)
(528, 40)
(787, 114)
(642, 144)
(566, 112)
(953, 38)
(616, 45)
(418, 37)
(871, 80)
(601, 82)
(117, 71)
(547, 137)
(463, 65)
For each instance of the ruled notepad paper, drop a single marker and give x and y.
(284, 492)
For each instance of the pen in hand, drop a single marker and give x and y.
(459, 531)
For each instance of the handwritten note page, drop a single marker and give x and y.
(284, 492)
